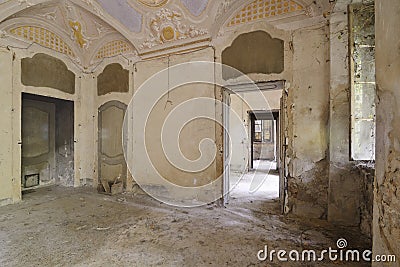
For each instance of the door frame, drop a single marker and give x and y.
(277, 117)
(59, 105)
(226, 99)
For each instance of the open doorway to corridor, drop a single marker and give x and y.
(256, 151)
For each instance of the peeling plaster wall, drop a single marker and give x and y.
(345, 182)
(386, 222)
(308, 116)
(366, 190)
(248, 54)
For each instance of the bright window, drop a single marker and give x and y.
(362, 66)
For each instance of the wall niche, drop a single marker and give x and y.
(46, 71)
(254, 52)
(114, 78)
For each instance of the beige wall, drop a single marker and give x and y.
(190, 136)
(386, 223)
(9, 149)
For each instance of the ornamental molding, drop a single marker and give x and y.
(167, 26)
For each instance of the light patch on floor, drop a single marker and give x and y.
(265, 180)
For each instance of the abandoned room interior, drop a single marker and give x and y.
(199, 132)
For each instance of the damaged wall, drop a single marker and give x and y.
(308, 117)
(80, 149)
(386, 223)
(350, 182)
(345, 179)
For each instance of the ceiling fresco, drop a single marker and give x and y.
(115, 27)
(124, 13)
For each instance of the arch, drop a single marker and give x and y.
(43, 37)
(33, 30)
(265, 9)
(233, 8)
(112, 46)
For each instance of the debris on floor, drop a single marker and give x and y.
(141, 232)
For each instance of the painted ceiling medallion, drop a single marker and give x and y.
(153, 3)
(167, 26)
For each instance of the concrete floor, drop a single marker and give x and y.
(264, 177)
(59, 226)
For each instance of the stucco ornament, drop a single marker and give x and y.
(153, 3)
(77, 35)
(167, 26)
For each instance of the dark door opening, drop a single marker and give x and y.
(47, 130)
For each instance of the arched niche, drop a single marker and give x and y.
(114, 78)
(46, 71)
(254, 52)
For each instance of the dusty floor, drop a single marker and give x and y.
(262, 183)
(62, 227)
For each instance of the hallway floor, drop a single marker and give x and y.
(262, 183)
(59, 226)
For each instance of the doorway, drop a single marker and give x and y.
(264, 141)
(47, 130)
(254, 162)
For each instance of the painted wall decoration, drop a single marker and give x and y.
(262, 9)
(69, 29)
(153, 3)
(42, 37)
(114, 48)
(77, 34)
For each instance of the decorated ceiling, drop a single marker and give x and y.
(90, 30)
